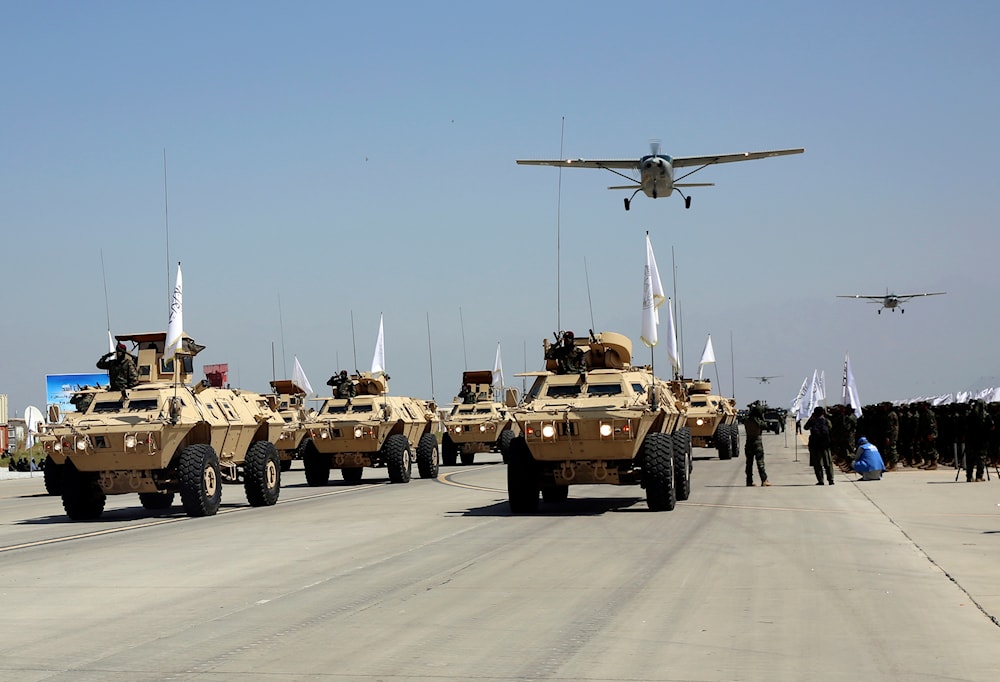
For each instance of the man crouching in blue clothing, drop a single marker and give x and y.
(868, 461)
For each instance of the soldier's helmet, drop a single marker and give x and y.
(343, 374)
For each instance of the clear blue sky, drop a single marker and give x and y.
(346, 158)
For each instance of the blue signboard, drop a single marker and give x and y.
(59, 388)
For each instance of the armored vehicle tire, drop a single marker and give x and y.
(682, 464)
(316, 464)
(52, 474)
(734, 440)
(262, 474)
(155, 501)
(200, 480)
(82, 497)
(449, 451)
(468, 458)
(555, 494)
(658, 472)
(722, 441)
(522, 478)
(396, 450)
(506, 436)
(352, 474)
(427, 456)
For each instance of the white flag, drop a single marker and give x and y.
(299, 377)
(498, 371)
(796, 406)
(111, 343)
(708, 356)
(175, 324)
(850, 389)
(378, 360)
(672, 355)
(652, 297)
(821, 387)
(810, 403)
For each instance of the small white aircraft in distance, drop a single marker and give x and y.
(656, 170)
(892, 301)
(766, 379)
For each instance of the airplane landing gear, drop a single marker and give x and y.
(628, 202)
(687, 202)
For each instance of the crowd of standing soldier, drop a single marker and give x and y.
(921, 435)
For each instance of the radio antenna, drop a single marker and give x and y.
(107, 308)
(461, 321)
(590, 301)
(355, 344)
(562, 130)
(281, 325)
(166, 227)
(430, 354)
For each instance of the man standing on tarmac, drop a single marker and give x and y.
(818, 427)
(754, 447)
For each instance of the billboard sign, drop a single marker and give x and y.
(59, 388)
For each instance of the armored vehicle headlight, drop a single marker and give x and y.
(81, 444)
(548, 431)
(324, 434)
(606, 430)
(358, 432)
(130, 441)
(699, 421)
(57, 446)
(457, 428)
(482, 427)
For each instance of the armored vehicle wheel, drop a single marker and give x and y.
(522, 478)
(555, 494)
(506, 436)
(200, 480)
(658, 472)
(316, 464)
(352, 474)
(427, 456)
(734, 440)
(722, 441)
(262, 474)
(82, 497)
(449, 451)
(682, 464)
(396, 451)
(52, 475)
(155, 501)
(286, 465)
(468, 458)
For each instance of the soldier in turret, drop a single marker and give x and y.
(569, 358)
(342, 385)
(122, 374)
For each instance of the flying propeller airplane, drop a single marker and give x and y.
(892, 301)
(656, 170)
(765, 380)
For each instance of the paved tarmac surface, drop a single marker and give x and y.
(434, 580)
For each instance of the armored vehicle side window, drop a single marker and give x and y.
(108, 406)
(638, 388)
(483, 410)
(144, 405)
(604, 389)
(336, 409)
(698, 403)
(362, 408)
(167, 366)
(564, 391)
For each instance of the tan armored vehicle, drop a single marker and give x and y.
(372, 429)
(711, 419)
(164, 437)
(478, 423)
(289, 399)
(613, 423)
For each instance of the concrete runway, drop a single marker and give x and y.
(434, 580)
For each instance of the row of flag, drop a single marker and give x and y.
(813, 392)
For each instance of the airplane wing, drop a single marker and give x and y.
(683, 161)
(907, 297)
(873, 298)
(583, 163)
